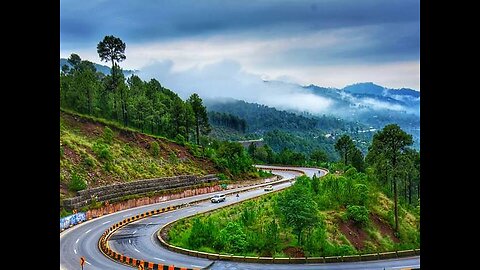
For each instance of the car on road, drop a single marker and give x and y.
(268, 188)
(218, 198)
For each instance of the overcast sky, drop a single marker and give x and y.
(330, 43)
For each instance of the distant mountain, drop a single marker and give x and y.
(358, 109)
(100, 68)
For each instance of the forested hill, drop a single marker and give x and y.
(261, 118)
(100, 68)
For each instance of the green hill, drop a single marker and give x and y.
(99, 152)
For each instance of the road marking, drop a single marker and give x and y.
(196, 266)
(106, 222)
(129, 241)
(404, 267)
(159, 259)
(127, 215)
(136, 250)
(169, 216)
(88, 262)
(74, 250)
(76, 242)
(88, 231)
(193, 210)
(150, 223)
(134, 232)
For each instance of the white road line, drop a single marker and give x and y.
(159, 259)
(150, 223)
(189, 211)
(129, 241)
(76, 242)
(136, 250)
(88, 231)
(127, 215)
(134, 232)
(88, 262)
(196, 266)
(409, 266)
(106, 222)
(74, 250)
(169, 216)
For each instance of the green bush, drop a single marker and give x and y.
(180, 139)
(87, 160)
(64, 213)
(358, 214)
(61, 151)
(155, 148)
(107, 135)
(77, 182)
(102, 150)
(222, 176)
(232, 238)
(172, 157)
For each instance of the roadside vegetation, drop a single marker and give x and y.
(360, 207)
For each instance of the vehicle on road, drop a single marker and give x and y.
(218, 198)
(268, 188)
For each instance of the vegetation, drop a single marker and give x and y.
(96, 153)
(312, 221)
(146, 106)
(388, 153)
(128, 105)
(345, 212)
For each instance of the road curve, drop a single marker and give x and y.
(138, 239)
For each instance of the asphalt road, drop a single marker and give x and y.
(138, 239)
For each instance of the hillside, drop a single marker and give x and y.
(88, 153)
(100, 68)
(341, 215)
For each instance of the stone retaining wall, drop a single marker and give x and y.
(139, 187)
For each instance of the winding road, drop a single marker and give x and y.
(138, 239)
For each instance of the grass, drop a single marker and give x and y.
(105, 159)
(336, 242)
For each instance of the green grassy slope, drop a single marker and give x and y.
(89, 154)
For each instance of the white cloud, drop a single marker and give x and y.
(227, 79)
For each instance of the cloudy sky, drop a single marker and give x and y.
(221, 47)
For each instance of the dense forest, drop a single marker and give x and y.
(281, 130)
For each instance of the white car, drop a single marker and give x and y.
(268, 188)
(218, 198)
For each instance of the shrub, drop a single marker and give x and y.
(180, 139)
(88, 161)
(232, 238)
(102, 151)
(64, 213)
(222, 176)
(358, 214)
(77, 183)
(350, 172)
(172, 157)
(155, 148)
(107, 135)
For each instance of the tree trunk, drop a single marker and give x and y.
(418, 189)
(410, 190)
(197, 127)
(396, 202)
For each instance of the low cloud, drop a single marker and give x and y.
(227, 79)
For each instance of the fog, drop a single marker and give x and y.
(227, 79)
